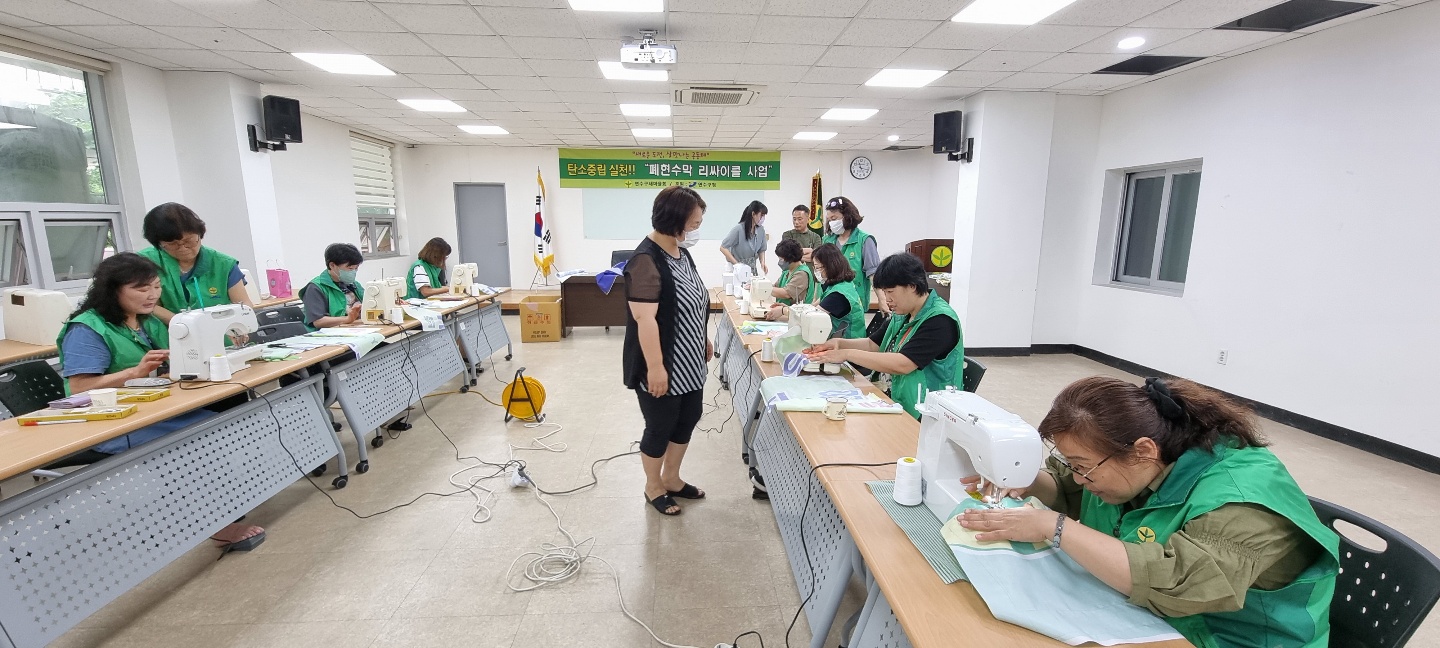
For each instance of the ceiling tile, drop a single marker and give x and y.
(437, 19)
(783, 54)
(142, 59)
(1108, 43)
(515, 83)
(131, 36)
(476, 46)
(614, 27)
(1051, 38)
(1105, 13)
(701, 51)
(899, 33)
(1203, 14)
(579, 84)
(717, 72)
(836, 8)
(257, 14)
(337, 15)
(849, 76)
(419, 64)
(913, 9)
(1077, 63)
(1094, 82)
(769, 73)
(301, 40)
(822, 90)
(57, 12)
(377, 43)
(1033, 80)
(520, 21)
(789, 29)
(194, 58)
(1212, 42)
(568, 49)
(969, 36)
(565, 69)
(733, 28)
(998, 61)
(217, 38)
(150, 12)
(62, 35)
(268, 60)
(470, 94)
(853, 56)
(933, 59)
(1275, 39)
(969, 79)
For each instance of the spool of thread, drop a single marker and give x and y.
(767, 350)
(396, 315)
(907, 481)
(219, 369)
(744, 307)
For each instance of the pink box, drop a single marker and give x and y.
(279, 282)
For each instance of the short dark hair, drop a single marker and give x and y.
(672, 208)
(343, 254)
(435, 251)
(789, 250)
(902, 269)
(801, 208)
(171, 222)
(848, 211)
(123, 269)
(833, 262)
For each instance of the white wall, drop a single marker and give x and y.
(910, 195)
(1312, 258)
(1069, 190)
(144, 142)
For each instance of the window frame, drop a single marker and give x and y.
(370, 221)
(1122, 234)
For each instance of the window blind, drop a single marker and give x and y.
(374, 173)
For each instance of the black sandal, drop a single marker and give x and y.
(664, 503)
(688, 492)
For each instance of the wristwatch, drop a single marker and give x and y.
(1059, 529)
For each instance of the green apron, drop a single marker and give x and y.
(411, 292)
(126, 348)
(854, 251)
(209, 283)
(948, 371)
(852, 326)
(812, 289)
(1297, 615)
(335, 303)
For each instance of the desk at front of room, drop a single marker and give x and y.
(845, 530)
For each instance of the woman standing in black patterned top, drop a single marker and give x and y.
(667, 348)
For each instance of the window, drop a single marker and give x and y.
(374, 172)
(1158, 221)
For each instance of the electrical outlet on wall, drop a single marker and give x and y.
(1223, 357)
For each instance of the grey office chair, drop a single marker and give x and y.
(268, 333)
(29, 386)
(973, 372)
(618, 256)
(281, 315)
(1380, 596)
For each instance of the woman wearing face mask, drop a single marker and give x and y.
(746, 241)
(797, 280)
(842, 225)
(333, 297)
(667, 350)
(192, 275)
(837, 294)
(1166, 493)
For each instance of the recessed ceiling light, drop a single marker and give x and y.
(477, 129)
(645, 110)
(613, 70)
(813, 135)
(651, 132)
(632, 6)
(345, 63)
(893, 138)
(1009, 12)
(433, 105)
(900, 78)
(1131, 42)
(849, 114)
(7, 125)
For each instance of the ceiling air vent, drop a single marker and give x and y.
(715, 95)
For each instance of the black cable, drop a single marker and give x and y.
(736, 642)
(594, 479)
(814, 579)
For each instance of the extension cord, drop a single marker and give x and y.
(517, 479)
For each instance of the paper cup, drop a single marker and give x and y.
(104, 398)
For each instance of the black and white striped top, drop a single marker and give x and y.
(688, 364)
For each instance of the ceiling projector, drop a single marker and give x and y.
(646, 54)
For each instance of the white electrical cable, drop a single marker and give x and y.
(538, 443)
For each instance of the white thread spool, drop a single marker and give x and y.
(767, 350)
(744, 307)
(907, 481)
(219, 369)
(396, 315)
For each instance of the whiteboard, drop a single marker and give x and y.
(624, 214)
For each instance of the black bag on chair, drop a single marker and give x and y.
(877, 324)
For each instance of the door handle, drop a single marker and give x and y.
(503, 243)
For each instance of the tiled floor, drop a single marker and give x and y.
(428, 575)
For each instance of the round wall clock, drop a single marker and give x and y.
(860, 168)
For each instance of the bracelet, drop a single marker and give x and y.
(1059, 529)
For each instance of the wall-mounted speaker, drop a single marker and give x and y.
(282, 119)
(947, 132)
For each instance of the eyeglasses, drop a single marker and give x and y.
(189, 242)
(1085, 475)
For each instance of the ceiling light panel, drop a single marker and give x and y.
(1009, 12)
(644, 110)
(433, 105)
(345, 63)
(477, 129)
(902, 78)
(651, 132)
(849, 114)
(813, 135)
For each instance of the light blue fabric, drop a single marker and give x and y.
(152, 432)
(85, 351)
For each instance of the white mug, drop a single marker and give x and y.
(104, 398)
(835, 407)
(396, 315)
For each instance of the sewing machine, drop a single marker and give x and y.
(761, 296)
(813, 326)
(380, 297)
(196, 336)
(35, 316)
(462, 276)
(742, 274)
(962, 434)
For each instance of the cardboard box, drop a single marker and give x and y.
(540, 319)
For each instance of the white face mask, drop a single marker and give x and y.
(690, 238)
(819, 276)
(837, 226)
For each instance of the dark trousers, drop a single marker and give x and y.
(668, 419)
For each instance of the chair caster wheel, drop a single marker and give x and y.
(464, 388)
(337, 426)
(759, 494)
(509, 356)
(362, 467)
(475, 382)
(319, 470)
(340, 482)
(377, 441)
(745, 458)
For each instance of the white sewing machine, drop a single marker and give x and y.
(760, 296)
(196, 336)
(813, 326)
(742, 274)
(962, 434)
(462, 276)
(35, 316)
(380, 297)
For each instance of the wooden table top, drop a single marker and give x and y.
(12, 351)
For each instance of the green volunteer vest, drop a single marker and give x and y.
(854, 250)
(812, 289)
(126, 348)
(209, 282)
(411, 292)
(853, 325)
(334, 296)
(1297, 615)
(948, 371)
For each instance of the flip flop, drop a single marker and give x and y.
(688, 492)
(664, 503)
(244, 545)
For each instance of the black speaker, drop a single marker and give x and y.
(282, 119)
(947, 132)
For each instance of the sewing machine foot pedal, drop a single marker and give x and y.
(363, 467)
(340, 482)
(398, 426)
(319, 470)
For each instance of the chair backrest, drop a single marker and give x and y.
(29, 386)
(974, 371)
(281, 315)
(272, 332)
(620, 255)
(1380, 596)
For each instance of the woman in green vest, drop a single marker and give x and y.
(427, 274)
(1167, 493)
(116, 336)
(191, 275)
(334, 297)
(921, 350)
(842, 227)
(797, 280)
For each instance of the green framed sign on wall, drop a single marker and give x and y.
(659, 168)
